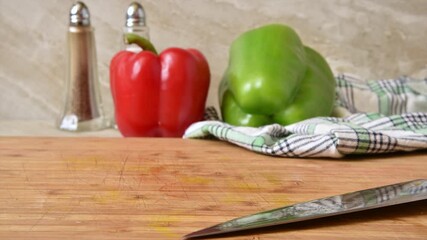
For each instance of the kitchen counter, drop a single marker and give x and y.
(116, 188)
(47, 129)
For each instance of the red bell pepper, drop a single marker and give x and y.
(158, 95)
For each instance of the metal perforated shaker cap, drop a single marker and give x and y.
(135, 15)
(79, 15)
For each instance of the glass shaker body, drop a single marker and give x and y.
(83, 106)
(142, 31)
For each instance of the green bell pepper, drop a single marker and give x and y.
(273, 78)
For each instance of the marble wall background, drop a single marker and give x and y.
(371, 38)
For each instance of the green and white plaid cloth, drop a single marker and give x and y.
(388, 97)
(380, 116)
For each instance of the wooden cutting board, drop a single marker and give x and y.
(100, 188)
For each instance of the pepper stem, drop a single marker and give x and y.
(144, 43)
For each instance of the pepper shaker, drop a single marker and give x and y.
(135, 23)
(83, 107)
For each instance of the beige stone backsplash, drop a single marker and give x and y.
(371, 38)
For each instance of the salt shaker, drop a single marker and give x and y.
(136, 24)
(83, 107)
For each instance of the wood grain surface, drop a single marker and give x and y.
(104, 188)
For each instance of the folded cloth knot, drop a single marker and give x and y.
(385, 127)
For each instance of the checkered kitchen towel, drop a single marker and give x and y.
(397, 121)
(389, 97)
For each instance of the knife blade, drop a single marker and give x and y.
(335, 205)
